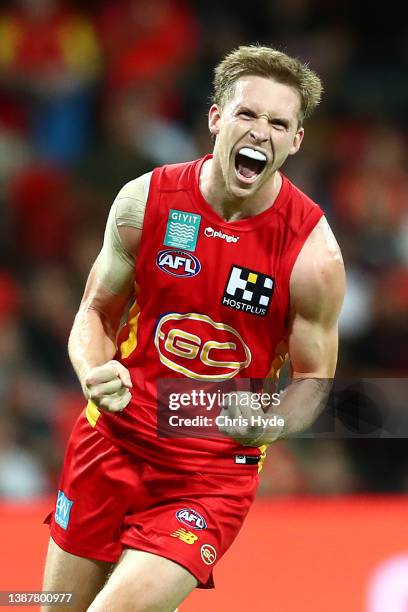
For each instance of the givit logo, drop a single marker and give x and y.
(191, 518)
(182, 230)
(198, 347)
(210, 232)
(178, 263)
(63, 510)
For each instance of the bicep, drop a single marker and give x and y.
(116, 262)
(111, 282)
(317, 291)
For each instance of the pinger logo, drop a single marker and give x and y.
(210, 232)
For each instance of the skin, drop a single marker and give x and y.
(263, 114)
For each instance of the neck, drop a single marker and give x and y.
(230, 207)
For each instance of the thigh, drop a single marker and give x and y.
(144, 582)
(66, 573)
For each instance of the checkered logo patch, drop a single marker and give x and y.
(248, 291)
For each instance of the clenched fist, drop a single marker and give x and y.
(243, 419)
(108, 386)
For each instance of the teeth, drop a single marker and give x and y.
(252, 154)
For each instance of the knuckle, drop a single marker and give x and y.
(94, 394)
(106, 403)
(115, 365)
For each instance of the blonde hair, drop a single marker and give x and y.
(267, 62)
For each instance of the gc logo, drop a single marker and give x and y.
(198, 347)
(208, 554)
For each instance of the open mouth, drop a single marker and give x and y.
(249, 164)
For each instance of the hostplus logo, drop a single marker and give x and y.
(248, 291)
(210, 232)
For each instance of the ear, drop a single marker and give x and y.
(214, 116)
(297, 141)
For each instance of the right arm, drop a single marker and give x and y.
(108, 291)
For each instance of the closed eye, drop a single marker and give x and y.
(280, 123)
(246, 113)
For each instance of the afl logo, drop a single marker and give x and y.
(178, 263)
(191, 518)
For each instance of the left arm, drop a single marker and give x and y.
(316, 295)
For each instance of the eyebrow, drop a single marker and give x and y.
(250, 111)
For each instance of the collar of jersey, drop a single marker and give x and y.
(247, 224)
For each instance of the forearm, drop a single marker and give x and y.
(300, 405)
(91, 342)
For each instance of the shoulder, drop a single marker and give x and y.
(317, 281)
(129, 206)
(137, 188)
(300, 212)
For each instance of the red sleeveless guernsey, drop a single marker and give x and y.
(212, 304)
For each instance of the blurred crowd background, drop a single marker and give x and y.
(94, 94)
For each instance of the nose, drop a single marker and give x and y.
(259, 132)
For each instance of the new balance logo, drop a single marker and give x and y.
(185, 536)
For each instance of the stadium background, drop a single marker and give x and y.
(92, 96)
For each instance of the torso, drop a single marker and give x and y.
(212, 303)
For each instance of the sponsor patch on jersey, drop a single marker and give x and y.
(194, 345)
(248, 291)
(208, 554)
(182, 230)
(191, 518)
(178, 263)
(246, 459)
(210, 232)
(63, 510)
(188, 537)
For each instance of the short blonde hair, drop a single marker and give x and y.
(267, 62)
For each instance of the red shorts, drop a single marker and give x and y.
(109, 500)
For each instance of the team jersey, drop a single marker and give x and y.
(211, 305)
